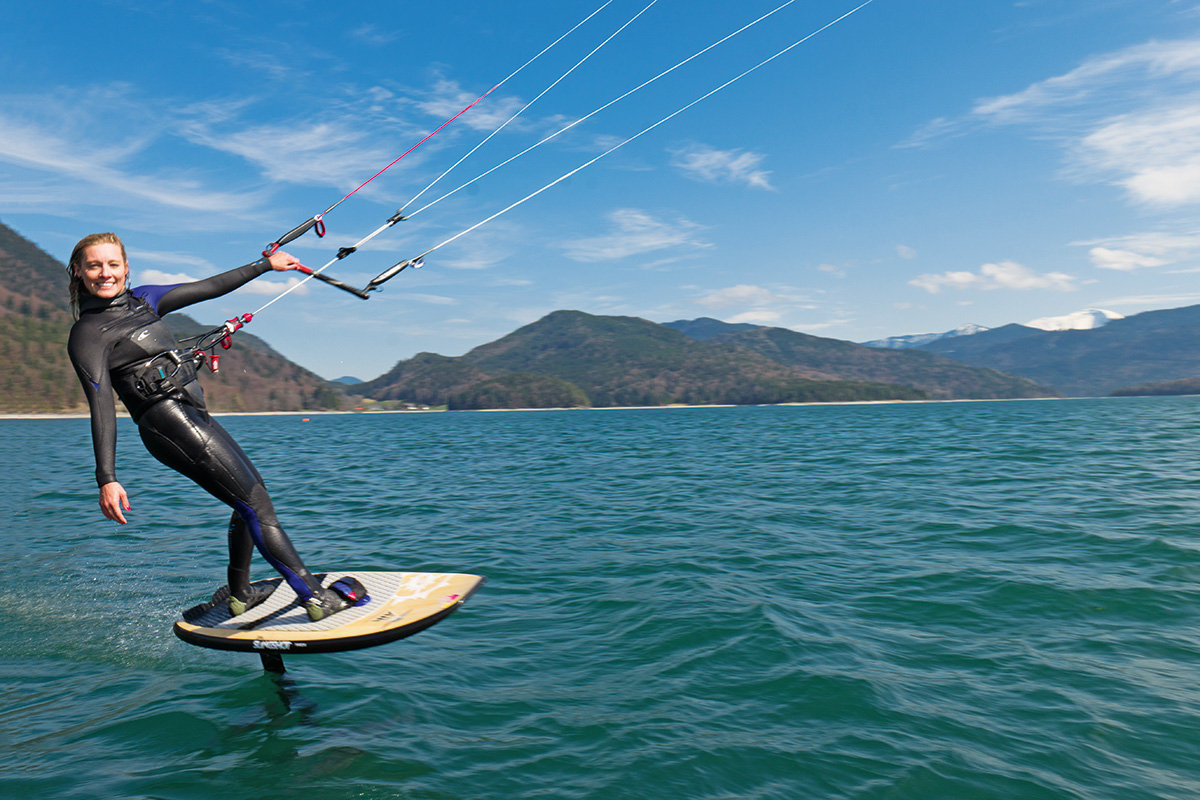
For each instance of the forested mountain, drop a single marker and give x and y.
(941, 377)
(614, 361)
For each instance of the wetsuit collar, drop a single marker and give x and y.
(91, 302)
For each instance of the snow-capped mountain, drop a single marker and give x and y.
(918, 339)
(1083, 320)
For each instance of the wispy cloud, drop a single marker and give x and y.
(1124, 75)
(138, 256)
(371, 34)
(636, 232)
(1129, 117)
(155, 277)
(760, 305)
(1004, 275)
(1143, 250)
(447, 98)
(68, 141)
(486, 248)
(327, 153)
(936, 130)
(432, 299)
(59, 138)
(1152, 301)
(1124, 260)
(741, 294)
(1154, 155)
(270, 288)
(705, 163)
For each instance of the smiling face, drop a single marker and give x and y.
(103, 270)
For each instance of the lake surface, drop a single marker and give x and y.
(956, 600)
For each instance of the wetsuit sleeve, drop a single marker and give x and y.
(174, 298)
(89, 355)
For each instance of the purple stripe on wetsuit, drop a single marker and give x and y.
(152, 294)
(247, 513)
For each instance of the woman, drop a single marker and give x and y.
(119, 342)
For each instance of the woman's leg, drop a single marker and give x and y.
(189, 441)
(241, 551)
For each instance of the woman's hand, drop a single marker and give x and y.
(113, 500)
(282, 262)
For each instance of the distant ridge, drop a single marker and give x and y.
(1183, 386)
(1148, 348)
(703, 328)
(942, 378)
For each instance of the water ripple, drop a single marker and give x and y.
(971, 600)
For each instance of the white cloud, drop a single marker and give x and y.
(433, 299)
(271, 288)
(1142, 250)
(1154, 155)
(372, 35)
(1106, 258)
(58, 146)
(933, 131)
(905, 252)
(708, 164)
(486, 248)
(756, 317)
(138, 256)
(317, 153)
(447, 98)
(1123, 74)
(1129, 117)
(636, 232)
(154, 277)
(1004, 275)
(742, 294)
(1154, 300)
(760, 305)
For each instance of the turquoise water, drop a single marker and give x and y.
(965, 600)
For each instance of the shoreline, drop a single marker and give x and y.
(85, 415)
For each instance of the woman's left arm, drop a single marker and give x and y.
(186, 294)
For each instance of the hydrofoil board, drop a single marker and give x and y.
(398, 604)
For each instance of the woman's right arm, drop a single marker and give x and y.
(89, 356)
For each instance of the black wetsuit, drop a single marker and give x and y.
(123, 344)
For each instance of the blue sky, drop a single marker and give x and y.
(916, 166)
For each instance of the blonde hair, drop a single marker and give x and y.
(76, 285)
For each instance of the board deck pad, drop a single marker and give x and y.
(400, 604)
